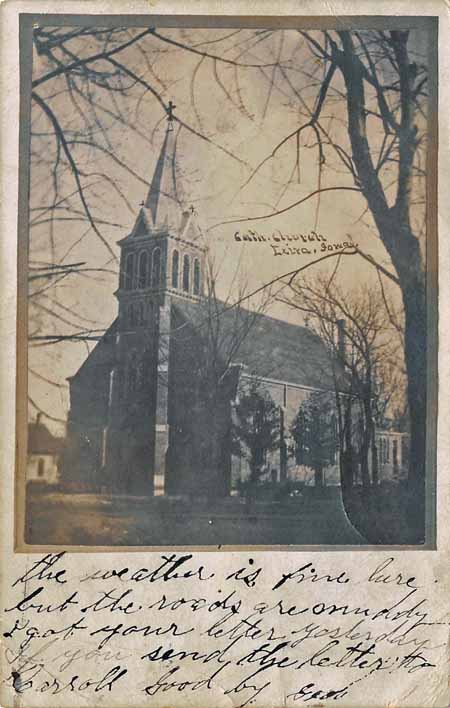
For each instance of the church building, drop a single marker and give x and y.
(138, 405)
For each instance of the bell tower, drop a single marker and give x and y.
(162, 259)
(164, 254)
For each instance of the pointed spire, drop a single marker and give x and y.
(165, 196)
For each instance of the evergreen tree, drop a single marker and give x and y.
(314, 433)
(256, 428)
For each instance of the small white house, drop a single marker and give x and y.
(44, 450)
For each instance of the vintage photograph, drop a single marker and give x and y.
(228, 267)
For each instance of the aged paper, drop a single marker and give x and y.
(225, 470)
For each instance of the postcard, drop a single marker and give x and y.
(229, 307)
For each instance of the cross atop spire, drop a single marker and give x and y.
(169, 111)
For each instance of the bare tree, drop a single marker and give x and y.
(365, 359)
(383, 83)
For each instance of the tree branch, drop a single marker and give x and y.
(206, 54)
(95, 57)
(178, 120)
(61, 137)
(291, 206)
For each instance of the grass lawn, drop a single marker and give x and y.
(89, 519)
(380, 515)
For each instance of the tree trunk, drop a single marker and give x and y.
(394, 227)
(369, 439)
(405, 254)
(318, 477)
(375, 475)
(415, 355)
(364, 446)
(283, 450)
(404, 249)
(347, 456)
(364, 462)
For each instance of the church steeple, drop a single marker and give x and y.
(164, 253)
(165, 198)
(162, 260)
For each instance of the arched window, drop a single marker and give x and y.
(196, 277)
(129, 271)
(143, 269)
(140, 374)
(131, 316)
(175, 268)
(41, 467)
(186, 274)
(122, 382)
(141, 314)
(156, 267)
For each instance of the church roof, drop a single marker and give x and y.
(272, 349)
(103, 354)
(267, 347)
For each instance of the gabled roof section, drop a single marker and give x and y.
(189, 229)
(41, 441)
(103, 354)
(142, 226)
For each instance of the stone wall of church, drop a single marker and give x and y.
(199, 452)
(82, 459)
(130, 445)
